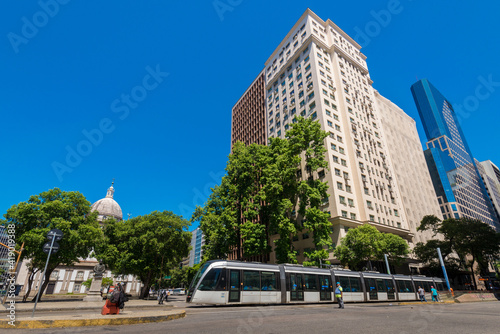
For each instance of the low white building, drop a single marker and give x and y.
(64, 279)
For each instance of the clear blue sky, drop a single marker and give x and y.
(70, 72)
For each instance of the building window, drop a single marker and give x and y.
(344, 214)
(340, 186)
(350, 202)
(76, 288)
(79, 275)
(343, 162)
(342, 199)
(337, 171)
(348, 189)
(335, 159)
(353, 216)
(372, 218)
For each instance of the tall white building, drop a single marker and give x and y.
(491, 178)
(318, 72)
(407, 158)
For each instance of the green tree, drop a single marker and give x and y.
(365, 243)
(67, 211)
(218, 223)
(146, 246)
(292, 195)
(473, 241)
(264, 193)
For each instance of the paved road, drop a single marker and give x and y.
(355, 318)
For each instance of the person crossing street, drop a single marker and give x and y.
(339, 294)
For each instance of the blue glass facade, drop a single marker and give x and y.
(197, 242)
(454, 171)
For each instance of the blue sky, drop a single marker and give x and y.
(142, 91)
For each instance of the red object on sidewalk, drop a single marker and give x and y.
(110, 308)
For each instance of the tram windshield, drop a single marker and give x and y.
(198, 275)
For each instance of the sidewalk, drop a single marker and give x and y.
(135, 311)
(80, 305)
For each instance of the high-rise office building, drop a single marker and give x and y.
(490, 174)
(248, 123)
(197, 242)
(455, 175)
(318, 72)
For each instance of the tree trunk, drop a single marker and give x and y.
(145, 288)
(30, 283)
(473, 274)
(45, 284)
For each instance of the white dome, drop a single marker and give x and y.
(108, 207)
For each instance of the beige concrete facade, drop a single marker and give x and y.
(411, 173)
(318, 72)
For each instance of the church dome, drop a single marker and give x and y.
(108, 207)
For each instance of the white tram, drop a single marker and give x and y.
(223, 282)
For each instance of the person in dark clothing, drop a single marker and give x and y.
(123, 298)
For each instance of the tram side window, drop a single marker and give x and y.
(370, 284)
(380, 285)
(389, 285)
(440, 286)
(428, 286)
(210, 280)
(420, 283)
(355, 284)
(404, 286)
(268, 281)
(401, 286)
(344, 283)
(325, 283)
(311, 282)
(251, 280)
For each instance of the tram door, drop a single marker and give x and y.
(326, 288)
(371, 288)
(296, 287)
(234, 285)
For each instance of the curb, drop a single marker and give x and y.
(428, 303)
(40, 324)
(82, 308)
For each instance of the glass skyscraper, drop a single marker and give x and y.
(454, 172)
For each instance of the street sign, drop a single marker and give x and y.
(49, 247)
(55, 233)
(46, 247)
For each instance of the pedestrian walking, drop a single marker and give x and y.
(160, 297)
(421, 294)
(339, 294)
(434, 294)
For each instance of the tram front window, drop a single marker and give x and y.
(210, 280)
(198, 276)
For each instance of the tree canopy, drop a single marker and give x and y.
(146, 246)
(471, 240)
(265, 193)
(66, 211)
(365, 243)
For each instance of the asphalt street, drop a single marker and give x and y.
(481, 317)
